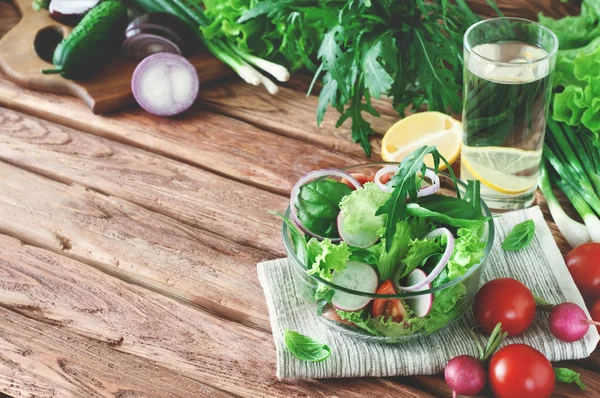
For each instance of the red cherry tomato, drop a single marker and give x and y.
(504, 300)
(519, 371)
(595, 312)
(584, 264)
(363, 179)
(388, 307)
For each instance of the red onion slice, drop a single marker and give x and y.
(380, 173)
(440, 265)
(143, 45)
(315, 175)
(70, 12)
(433, 188)
(165, 84)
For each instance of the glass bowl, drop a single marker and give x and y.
(465, 286)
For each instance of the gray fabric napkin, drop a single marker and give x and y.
(540, 266)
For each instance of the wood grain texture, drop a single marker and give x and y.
(72, 301)
(196, 197)
(526, 8)
(142, 247)
(106, 91)
(214, 142)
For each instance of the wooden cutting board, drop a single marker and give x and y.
(108, 90)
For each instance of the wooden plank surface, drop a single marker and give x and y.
(133, 272)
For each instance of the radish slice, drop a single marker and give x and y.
(305, 179)
(165, 84)
(357, 276)
(440, 265)
(70, 12)
(420, 305)
(433, 188)
(364, 240)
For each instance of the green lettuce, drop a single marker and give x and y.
(326, 258)
(468, 251)
(359, 210)
(419, 251)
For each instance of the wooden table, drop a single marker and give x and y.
(129, 243)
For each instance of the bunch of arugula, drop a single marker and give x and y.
(361, 49)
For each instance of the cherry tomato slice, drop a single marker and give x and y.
(388, 307)
(519, 371)
(584, 265)
(504, 300)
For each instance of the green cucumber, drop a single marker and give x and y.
(91, 42)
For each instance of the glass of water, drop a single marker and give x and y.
(508, 67)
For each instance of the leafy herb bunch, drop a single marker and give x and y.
(361, 49)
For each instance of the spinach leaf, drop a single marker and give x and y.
(305, 348)
(318, 206)
(565, 375)
(520, 236)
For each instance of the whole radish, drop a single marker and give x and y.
(466, 374)
(568, 322)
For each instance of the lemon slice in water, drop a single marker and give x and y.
(509, 171)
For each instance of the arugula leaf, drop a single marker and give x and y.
(305, 348)
(447, 210)
(325, 258)
(520, 236)
(318, 206)
(406, 183)
(565, 375)
(377, 80)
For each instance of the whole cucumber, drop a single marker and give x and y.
(95, 37)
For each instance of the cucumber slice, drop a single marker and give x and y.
(420, 305)
(362, 241)
(357, 276)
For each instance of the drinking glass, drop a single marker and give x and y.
(508, 67)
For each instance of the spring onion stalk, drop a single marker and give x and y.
(191, 13)
(574, 232)
(572, 163)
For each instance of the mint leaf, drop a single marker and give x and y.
(565, 375)
(305, 348)
(520, 236)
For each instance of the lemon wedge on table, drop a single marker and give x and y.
(424, 128)
(510, 171)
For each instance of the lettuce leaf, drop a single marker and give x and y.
(468, 251)
(359, 210)
(419, 251)
(326, 258)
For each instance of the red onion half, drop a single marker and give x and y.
(440, 265)
(312, 176)
(165, 84)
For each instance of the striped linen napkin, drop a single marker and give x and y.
(540, 266)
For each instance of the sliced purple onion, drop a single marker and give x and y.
(166, 25)
(143, 45)
(70, 12)
(431, 189)
(380, 173)
(315, 175)
(165, 84)
(440, 265)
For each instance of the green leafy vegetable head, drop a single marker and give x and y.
(359, 210)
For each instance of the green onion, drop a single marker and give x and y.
(572, 163)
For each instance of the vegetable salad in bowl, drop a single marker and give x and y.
(388, 252)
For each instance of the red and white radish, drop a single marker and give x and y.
(70, 12)
(357, 276)
(420, 305)
(165, 84)
(362, 240)
(568, 322)
(465, 375)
